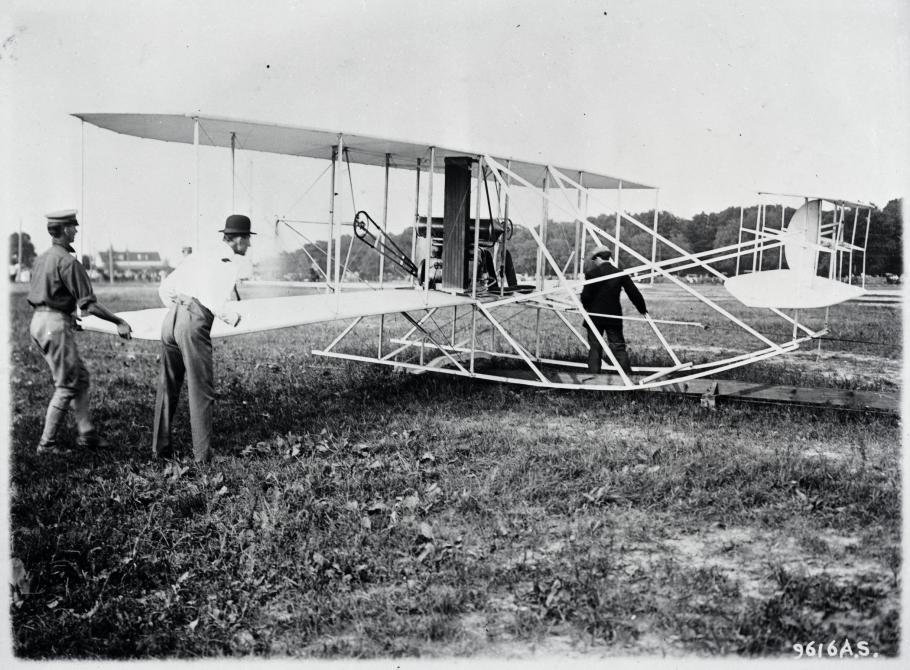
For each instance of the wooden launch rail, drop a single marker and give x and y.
(709, 390)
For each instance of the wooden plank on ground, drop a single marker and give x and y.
(830, 397)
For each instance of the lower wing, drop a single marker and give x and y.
(271, 313)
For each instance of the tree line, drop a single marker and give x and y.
(702, 232)
(29, 254)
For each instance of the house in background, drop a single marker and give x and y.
(131, 265)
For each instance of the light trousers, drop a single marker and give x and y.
(54, 334)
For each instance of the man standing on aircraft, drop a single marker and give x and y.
(196, 292)
(603, 298)
(59, 285)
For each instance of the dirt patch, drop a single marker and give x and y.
(748, 557)
(855, 370)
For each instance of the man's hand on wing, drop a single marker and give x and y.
(229, 316)
(124, 330)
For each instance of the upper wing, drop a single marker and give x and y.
(313, 143)
(271, 313)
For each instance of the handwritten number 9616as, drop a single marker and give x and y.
(832, 649)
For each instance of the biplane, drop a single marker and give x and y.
(463, 296)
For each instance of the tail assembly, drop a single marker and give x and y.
(820, 261)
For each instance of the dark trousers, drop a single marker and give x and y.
(186, 351)
(612, 331)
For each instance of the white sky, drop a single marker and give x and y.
(710, 100)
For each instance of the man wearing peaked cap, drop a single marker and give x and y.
(596, 257)
(59, 285)
(199, 290)
(601, 300)
(62, 218)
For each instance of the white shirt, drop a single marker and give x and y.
(208, 276)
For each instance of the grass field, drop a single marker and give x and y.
(360, 512)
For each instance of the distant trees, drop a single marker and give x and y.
(702, 232)
(883, 253)
(706, 231)
(28, 250)
(308, 262)
(721, 229)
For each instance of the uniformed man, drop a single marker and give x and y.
(196, 292)
(59, 284)
(602, 298)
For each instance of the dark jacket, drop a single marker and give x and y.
(603, 297)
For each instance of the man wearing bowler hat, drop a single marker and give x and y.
(59, 285)
(197, 292)
(601, 299)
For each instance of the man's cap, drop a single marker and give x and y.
(237, 224)
(65, 217)
(601, 252)
(596, 258)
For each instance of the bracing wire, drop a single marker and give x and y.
(307, 253)
(246, 186)
(323, 252)
(312, 185)
(303, 237)
(724, 326)
(243, 184)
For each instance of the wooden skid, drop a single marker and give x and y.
(715, 388)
